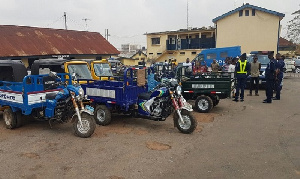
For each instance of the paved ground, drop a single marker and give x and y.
(236, 140)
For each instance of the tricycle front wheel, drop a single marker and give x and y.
(87, 128)
(189, 123)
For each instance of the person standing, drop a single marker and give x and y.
(214, 66)
(255, 69)
(270, 78)
(242, 68)
(279, 76)
(231, 70)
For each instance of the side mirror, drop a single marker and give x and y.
(157, 78)
(74, 77)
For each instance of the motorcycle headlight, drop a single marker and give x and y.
(178, 90)
(81, 92)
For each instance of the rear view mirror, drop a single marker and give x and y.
(157, 77)
(74, 78)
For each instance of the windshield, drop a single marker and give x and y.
(263, 59)
(102, 69)
(81, 71)
(199, 58)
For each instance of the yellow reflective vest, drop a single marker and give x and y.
(242, 67)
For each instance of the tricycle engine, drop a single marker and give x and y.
(160, 108)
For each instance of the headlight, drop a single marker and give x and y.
(178, 90)
(81, 92)
(263, 73)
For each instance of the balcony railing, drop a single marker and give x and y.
(196, 43)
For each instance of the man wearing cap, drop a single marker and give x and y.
(255, 69)
(242, 69)
(270, 78)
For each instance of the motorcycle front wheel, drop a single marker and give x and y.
(88, 125)
(188, 125)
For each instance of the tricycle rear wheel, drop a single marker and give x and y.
(87, 128)
(102, 115)
(11, 119)
(204, 104)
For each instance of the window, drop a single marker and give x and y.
(211, 56)
(158, 53)
(223, 54)
(246, 12)
(241, 13)
(193, 53)
(253, 12)
(155, 41)
(182, 53)
(150, 53)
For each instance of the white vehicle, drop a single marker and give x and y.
(289, 65)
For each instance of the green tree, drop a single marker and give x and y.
(293, 28)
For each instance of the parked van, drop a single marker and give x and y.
(206, 56)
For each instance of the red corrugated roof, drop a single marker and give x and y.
(31, 41)
(284, 42)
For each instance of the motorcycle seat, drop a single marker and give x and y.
(51, 96)
(145, 96)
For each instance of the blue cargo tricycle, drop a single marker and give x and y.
(45, 97)
(128, 96)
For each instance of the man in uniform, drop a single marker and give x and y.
(270, 78)
(279, 75)
(255, 69)
(242, 68)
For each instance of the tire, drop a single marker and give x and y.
(10, 119)
(88, 128)
(102, 115)
(19, 119)
(204, 104)
(297, 70)
(190, 123)
(216, 102)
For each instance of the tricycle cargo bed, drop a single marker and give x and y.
(120, 93)
(26, 95)
(207, 84)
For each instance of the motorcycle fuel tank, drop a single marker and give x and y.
(161, 92)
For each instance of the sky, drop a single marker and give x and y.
(128, 20)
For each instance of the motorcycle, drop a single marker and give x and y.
(165, 99)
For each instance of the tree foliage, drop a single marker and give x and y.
(293, 28)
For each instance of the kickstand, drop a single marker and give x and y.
(50, 124)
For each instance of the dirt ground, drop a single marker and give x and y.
(235, 140)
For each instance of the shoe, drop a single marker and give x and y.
(236, 100)
(249, 94)
(276, 99)
(256, 94)
(267, 101)
(241, 100)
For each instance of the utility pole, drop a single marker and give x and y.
(187, 14)
(65, 19)
(86, 25)
(106, 34)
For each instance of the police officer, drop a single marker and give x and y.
(270, 77)
(279, 75)
(242, 69)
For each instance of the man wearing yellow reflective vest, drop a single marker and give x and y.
(242, 69)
